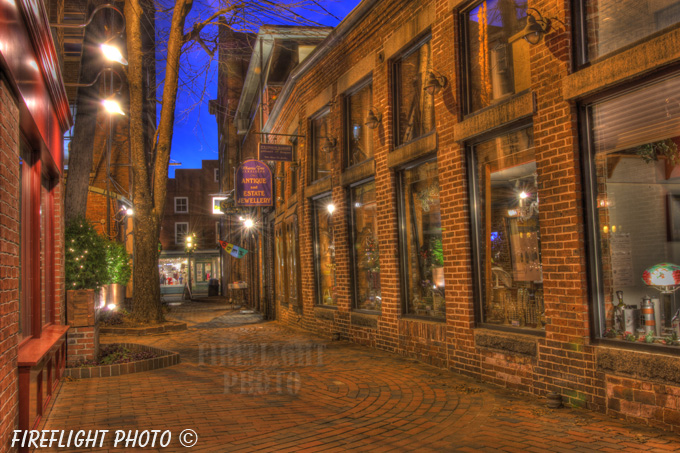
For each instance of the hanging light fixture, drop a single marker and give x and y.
(536, 27)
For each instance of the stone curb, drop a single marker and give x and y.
(166, 359)
(138, 331)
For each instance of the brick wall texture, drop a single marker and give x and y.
(9, 259)
(564, 358)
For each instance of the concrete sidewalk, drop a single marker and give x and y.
(248, 385)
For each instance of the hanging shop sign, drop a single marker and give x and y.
(253, 184)
(275, 152)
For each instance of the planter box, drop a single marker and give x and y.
(80, 307)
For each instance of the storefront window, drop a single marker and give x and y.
(324, 251)
(635, 206)
(322, 145)
(422, 248)
(509, 250)
(360, 137)
(280, 266)
(366, 253)
(293, 176)
(613, 24)
(497, 56)
(414, 106)
(291, 248)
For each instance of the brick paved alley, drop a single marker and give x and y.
(248, 385)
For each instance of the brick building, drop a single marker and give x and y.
(189, 210)
(478, 185)
(34, 114)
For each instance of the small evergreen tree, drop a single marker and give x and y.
(118, 262)
(85, 262)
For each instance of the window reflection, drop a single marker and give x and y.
(366, 249)
(512, 273)
(360, 143)
(498, 58)
(422, 241)
(324, 252)
(415, 107)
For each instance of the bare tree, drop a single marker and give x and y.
(150, 169)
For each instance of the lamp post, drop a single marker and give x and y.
(189, 247)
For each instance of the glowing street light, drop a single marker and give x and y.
(112, 53)
(112, 106)
(331, 208)
(248, 223)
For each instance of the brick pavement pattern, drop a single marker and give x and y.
(245, 385)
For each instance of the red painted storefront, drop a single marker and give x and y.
(34, 115)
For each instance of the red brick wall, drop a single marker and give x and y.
(9, 259)
(564, 358)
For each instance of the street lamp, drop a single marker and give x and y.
(189, 247)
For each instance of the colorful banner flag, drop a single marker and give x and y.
(233, 250)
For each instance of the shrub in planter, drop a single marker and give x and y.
(86, 266)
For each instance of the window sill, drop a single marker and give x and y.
(356, 173)
(420, 147)
(429, 320)
(507, 341)
(318, 187)
(325, 312)
(639, 364)
(366, 319)
(507, 111)
(32, 351)
(654, 51)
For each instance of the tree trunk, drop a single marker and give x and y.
(150, 178)
(82, 145)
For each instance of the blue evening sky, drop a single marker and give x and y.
(195, 136)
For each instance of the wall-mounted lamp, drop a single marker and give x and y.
(536, 27)
(331, 208)
(111, 105)
(373, 118)
(434, 83)
(112, 53)
(111, 70)
(89, 19)
(329, 144)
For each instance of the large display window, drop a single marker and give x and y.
(504, 193)
(324, 251)
(633, 186)
(366, 250)
(422, 270)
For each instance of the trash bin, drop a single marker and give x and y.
(213, 287)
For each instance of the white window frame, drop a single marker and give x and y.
(217, 175)
(181, 240)
(187, 202)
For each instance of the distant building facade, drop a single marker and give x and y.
(188, 211)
